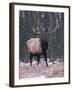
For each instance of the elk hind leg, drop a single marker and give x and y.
(31, 56)
(38, 60)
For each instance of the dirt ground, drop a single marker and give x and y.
(53, 70)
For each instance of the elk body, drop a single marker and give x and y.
(37, 47)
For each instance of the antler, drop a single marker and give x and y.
(56, 27)
(35, 31)
(39, 29)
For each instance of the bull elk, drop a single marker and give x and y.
(38, 46)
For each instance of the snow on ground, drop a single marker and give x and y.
(53, 70)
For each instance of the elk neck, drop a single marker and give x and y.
(44, 44)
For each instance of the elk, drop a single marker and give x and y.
(38, 46)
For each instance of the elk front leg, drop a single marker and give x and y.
(45, 55)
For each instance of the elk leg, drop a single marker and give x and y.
(38, 60)
(45, 55)
(31, 56)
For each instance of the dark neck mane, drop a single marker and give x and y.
(44, 44)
